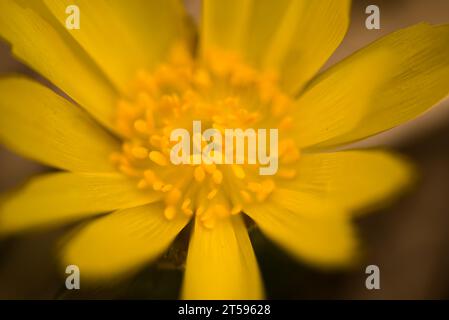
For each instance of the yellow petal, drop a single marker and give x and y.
(221, 263)
(223, 23)
(48, 49)
(354, 180)
(303, 202)
(123, 37)
(294, 38)
(385, 84)
(325, 242)
(121, 242)
(60, 198)
(39, 124)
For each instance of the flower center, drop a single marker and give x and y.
(222, 92)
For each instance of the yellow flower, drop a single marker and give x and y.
(134, 71)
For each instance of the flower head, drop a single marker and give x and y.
(134, 74)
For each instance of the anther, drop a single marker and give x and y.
(158, 158)
(170, 212)
(140, 152)
(199, 174)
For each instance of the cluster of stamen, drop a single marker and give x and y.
(222, 92)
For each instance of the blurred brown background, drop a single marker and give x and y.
(409, 241)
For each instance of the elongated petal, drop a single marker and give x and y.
(123, 37)
(41, 125)
(221, 263)
(325, 242)
(305, 203)
(60, 198)
(47, 48)
(385, 84)
(223, 23)
(294, 38)
(355, 180)
(121, 242)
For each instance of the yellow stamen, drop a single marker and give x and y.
(212, 194)
(238, 171)
(141, 126)
(246, 196)
(149, 175)
(157, 185)
(158, 158)
(155, 140)
(210, 168)
(223, 92)
(209, 223)
(217, 176)
(254, 186)
(173, 196)
(142, 184)
(170, 212)
(186, 203)
(236, 209)
(200, 210)
(140, 152)
(199, 174)
(167, 188)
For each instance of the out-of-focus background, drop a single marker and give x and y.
(408, 241)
